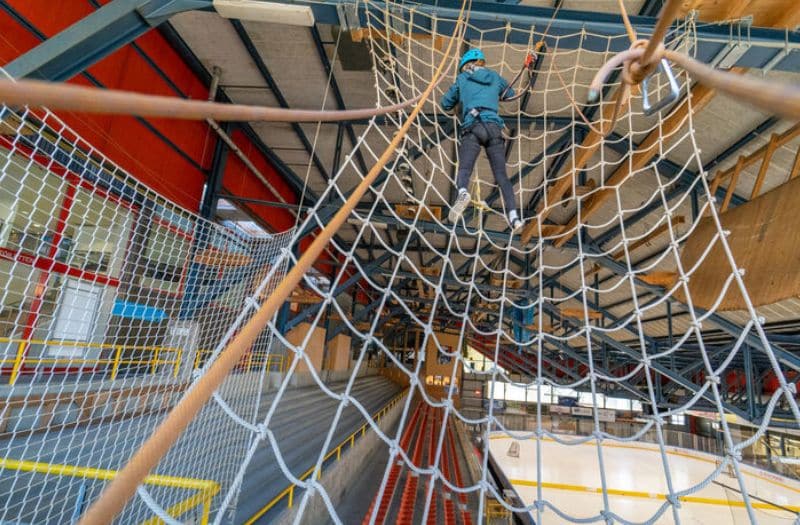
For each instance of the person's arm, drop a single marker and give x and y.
(450, 99)
(503, 87)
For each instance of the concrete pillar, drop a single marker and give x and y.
(339, 350)
(313, 349)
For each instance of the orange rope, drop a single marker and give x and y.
(621, 96)
(627, 21)
(776, 98)
(68, 97)
(648, 61)
(122, 488)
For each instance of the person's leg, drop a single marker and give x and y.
(468, 150)
(496, 151)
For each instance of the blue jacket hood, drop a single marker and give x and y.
(481, 75)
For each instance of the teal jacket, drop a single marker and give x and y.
(478, 88)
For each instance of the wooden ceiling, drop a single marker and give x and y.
(765, 13)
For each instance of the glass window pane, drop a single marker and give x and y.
(97, 234)
(166, 253)
(29, 194)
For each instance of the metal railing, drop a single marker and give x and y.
(675, 438)
(206, 489)
(349, 441)
(149, 358)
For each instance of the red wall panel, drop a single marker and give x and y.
(177, 170)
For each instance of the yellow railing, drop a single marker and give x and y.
(288, 492)
(206, 488)
(253, 361)
(116, 358)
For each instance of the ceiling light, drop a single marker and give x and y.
(258, 11)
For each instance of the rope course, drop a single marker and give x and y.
(533, 305)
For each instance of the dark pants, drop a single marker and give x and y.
(489, 136)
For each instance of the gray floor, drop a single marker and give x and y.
(300, 433)
(356, 501)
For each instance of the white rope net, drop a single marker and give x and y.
(546, 314)
(113, 301)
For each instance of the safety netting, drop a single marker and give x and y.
(114, 301)
(546, 306)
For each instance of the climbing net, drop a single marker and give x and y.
(114, 300)
(547, 307)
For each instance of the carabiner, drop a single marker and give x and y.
(674, 90)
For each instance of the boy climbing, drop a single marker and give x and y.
(479, 90)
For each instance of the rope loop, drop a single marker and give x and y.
(634, 70)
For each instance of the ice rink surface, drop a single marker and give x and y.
(636, 482)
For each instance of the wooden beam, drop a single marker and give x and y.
(577, 313)
(409, 211)
(749, 160)
(762, 171)
(301, 296)
(737, 8)
(558, 189)
(547, 328)
(590, 185)
(732, 186)
(796, 165)
(431, 271)
(789, 17)
(510, 282)
(700, 96)
(214, 257)
(619, 254)
(531, 230)
(769, 13)
(358, 35)
(663, 279)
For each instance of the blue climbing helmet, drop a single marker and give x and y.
(469, 56)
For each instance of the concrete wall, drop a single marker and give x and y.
(337, 478)
(327, 376)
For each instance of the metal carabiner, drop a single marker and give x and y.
(674, 90)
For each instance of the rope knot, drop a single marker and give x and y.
(735, 455)
(634, 71)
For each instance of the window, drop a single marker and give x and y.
(678, 419)
(97, 234)
(28, 196)
(166, 253)
(617, 403)
(586, 399)
(499, 390)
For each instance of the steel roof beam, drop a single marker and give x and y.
(570, 29)
(337, 94)
(96, 36)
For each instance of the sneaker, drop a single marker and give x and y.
(514, 221)
(458, 207)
